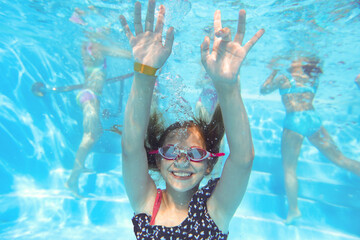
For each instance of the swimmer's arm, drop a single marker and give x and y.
(147, 50)
(231, 188)
(139, 185)
(270, 84)
(223, 66)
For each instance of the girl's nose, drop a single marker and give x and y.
(181, 161)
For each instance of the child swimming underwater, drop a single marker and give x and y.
(186, 151)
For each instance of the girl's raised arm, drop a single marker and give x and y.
(149, 55)
(223, 66)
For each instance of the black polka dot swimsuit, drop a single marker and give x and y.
(197, 225)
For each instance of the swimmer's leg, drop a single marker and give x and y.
(326, 145)
(85, 146)
(92, 132)
(290, 150)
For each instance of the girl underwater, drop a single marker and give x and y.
(186, 151)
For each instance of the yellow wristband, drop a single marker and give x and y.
(144, 69)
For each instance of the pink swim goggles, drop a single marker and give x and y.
(194, 154)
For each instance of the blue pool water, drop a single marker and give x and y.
(39, 136)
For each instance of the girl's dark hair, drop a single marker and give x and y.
(211, 132)
(312, 69)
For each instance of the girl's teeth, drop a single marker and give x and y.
(182, 174)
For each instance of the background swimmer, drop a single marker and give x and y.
(297, 93)
(93, 54)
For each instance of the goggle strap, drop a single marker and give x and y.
(153, 152)
(217, 154)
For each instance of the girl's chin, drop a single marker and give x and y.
(182, 185)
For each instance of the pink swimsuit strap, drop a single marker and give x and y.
(156, 206)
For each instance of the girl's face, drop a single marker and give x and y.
(296, 66)
(181, 174)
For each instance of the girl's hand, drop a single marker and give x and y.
(147, 45)
(223, 64)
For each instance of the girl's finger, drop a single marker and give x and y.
(225, 34)
(253, 40)
(217, 21)
(241, 27)
(149, 23)
(126, 28)
(169, 39)
(160, 20)
(205, 50)
(137, 19)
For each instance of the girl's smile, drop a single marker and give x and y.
(181, 173)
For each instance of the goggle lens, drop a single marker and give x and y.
(171, 152)
(196, 153)
(168, 152)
